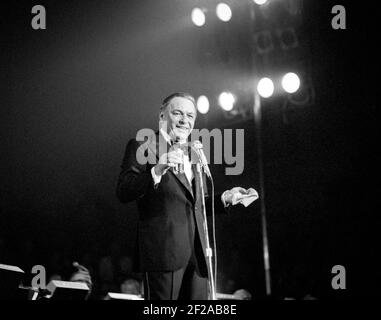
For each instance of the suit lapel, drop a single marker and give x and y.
(196, 181)
(184, 181)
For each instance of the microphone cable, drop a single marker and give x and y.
(214, 236)
(214, 233)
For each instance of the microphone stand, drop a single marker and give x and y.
(208, 249)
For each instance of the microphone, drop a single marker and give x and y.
(179, 145)
(197, 146)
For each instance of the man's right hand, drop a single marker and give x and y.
(166, 161)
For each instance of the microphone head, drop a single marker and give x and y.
(197, 146)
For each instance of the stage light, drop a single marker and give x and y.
(260, 2)
(226, 101)
(223, 12)
(290, 82)
(203, 104)
(198, 17)
(265, 87)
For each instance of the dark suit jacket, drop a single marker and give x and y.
(169, 212)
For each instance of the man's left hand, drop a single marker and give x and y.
(237, 194)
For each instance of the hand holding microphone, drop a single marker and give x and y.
(173, 159)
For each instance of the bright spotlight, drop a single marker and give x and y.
(260, 2)
(290, 82)
(265, 87)
(223, 12)
(198, 17)
(203, 104)
(226, 101)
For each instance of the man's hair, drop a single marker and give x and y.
(185, 95)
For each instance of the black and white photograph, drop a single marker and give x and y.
(190, 151)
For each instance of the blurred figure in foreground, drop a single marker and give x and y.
(131, 286)
(81, 275)
(242, 294)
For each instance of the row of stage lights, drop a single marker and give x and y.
(223, 12)
(265, 88)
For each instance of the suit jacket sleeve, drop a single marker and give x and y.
(135, 178)
(219, 207)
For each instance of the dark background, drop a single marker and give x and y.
(73, 94)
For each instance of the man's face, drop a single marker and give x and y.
(180, 116)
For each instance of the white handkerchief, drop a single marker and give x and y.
(246, 199)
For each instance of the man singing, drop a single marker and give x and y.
(170, 248)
